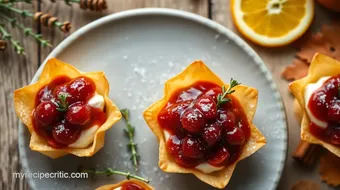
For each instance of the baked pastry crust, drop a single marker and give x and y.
(320, 66)
(24, 104)
(113, 186)
(247, 97)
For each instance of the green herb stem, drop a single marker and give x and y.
(110, 171)
(62, 103)
(6, 36)
(26, 13)
(27, 31)
(221, 98)
(130, 132)
(10, 7)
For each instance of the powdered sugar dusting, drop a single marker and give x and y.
(206, 107)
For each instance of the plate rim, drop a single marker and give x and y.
(222, 30)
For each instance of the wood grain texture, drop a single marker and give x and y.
(15, 72)
(79, 18)
(276, 59)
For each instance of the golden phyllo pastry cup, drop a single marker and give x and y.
(321, 66)
(24, 103)
(113, 186)
(247, 97)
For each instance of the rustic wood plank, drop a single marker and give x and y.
(79, 18)
(15, 72)
(276, 59)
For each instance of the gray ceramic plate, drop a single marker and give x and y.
(139, 50)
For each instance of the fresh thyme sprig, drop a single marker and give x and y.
(64, 27)
(6, 36)
(27, 31)
(62, 103)
(110, 171)
(221, 98)
(9, 6)
(130, 132)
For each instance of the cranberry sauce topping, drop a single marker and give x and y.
(200, 131)
(324, 104)
(131, 186)
(61, 110)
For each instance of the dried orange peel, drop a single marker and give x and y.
(320, 66)
(24, 103)
(113, 186)
(247, 97)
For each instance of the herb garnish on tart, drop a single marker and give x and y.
(66, 111)
(204, 126)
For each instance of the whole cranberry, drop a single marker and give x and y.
(207, 106)
(81, 89)
(193, 147)
(193, 121)
(46, 113)
(235, 136)
(78, 114)
(45, 94)
(65, 133)
(319, 103)
(212, 134)
(226, 118)
(213, 93)
(334, 111)
(181, 160)
(174, 145)
(61, 90)
(170, 117)
(219, 156)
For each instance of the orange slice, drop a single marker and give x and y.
(272, 23)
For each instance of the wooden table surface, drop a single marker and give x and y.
(17, 71)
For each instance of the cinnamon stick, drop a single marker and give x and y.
(307, 153)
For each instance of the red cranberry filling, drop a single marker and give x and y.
(78, 114)
(131, 186)
(324, 104)
(200, 131)
(62, 112)
(193, 121)
(46, 113)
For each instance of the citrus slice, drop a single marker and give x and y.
(272, 23)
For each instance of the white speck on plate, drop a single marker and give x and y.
(171, 64)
